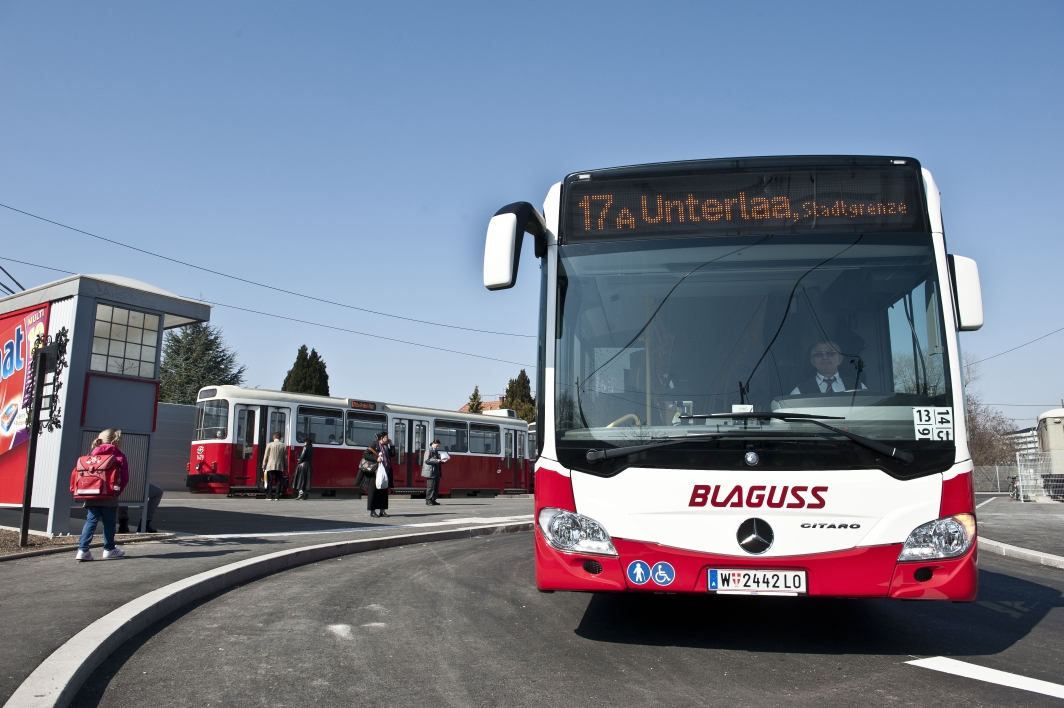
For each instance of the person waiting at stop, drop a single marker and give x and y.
(155, 495)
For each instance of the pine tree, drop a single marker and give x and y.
(195, 356)
(475, 404)
(308, 374)
(518, 396)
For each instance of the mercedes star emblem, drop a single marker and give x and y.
(751, 458)
(754, 536)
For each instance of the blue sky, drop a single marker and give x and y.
(355, 152)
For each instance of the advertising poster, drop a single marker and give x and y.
(18, 331)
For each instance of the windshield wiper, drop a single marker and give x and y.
(597, 455)
(904, 455)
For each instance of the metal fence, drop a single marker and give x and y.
(1039, 476)
(993, 478)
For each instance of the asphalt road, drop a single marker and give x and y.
(47, 599)
(460, 624)
(1038, 526)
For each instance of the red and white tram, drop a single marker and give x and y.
(489, 452)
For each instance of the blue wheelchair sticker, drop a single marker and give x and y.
(663, 573)
(639, 572)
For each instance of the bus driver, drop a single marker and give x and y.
(825, 357)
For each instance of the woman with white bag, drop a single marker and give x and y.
(379, 454)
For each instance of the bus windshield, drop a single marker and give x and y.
(657, 335)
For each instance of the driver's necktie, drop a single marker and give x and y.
(830, 387)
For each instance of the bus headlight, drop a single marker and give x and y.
(571, 532)
(943, 538)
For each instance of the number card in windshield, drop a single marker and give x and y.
(839, 200)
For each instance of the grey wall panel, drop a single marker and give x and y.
(135, 448)
(127, 404)
(48, 476)
(171, 446)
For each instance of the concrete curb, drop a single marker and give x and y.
(59, 677)
(138, 538)
(1004, 549)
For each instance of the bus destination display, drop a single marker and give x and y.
(837, 200)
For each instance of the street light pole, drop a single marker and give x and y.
(40, 360)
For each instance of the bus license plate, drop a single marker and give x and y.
(745, 581)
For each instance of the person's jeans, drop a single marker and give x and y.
(95, 514)
(432, 489)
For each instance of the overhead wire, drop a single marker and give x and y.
(263, 285)
(315, 324)
(12, 278)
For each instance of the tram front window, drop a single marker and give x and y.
(654, 332)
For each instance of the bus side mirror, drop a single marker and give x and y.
(502, 249)
(967, 293)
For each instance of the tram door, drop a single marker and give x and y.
(520, 467)
(244, 467)
(508, 461)
(410, 438)
(274, 420)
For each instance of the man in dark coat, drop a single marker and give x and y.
(431, 471)
(825, 358)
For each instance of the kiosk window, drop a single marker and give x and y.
(124, 342)
(323, 425)
(452, 435)
(483, 439)
(362, 428)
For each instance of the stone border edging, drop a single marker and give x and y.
(148, 538)
(57, 680)
(1004, 549)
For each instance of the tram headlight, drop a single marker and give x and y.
(571, 532)
(943, 538)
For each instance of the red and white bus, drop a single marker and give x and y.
(489, 452)
(749, 379)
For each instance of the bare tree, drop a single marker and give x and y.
(988, 428)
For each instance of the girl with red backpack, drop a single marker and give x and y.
(98, 481)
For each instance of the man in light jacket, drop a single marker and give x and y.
(274, 464)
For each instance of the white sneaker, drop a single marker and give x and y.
(84, 556)
(115, 552)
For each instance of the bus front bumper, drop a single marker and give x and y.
(872, 571)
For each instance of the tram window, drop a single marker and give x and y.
(452, 435)
(322, 425)
(484, 439)
(245, 433)
(399, 441)
(421, 432)
(212, 420)
(509, 448)
(362, 428)
(277, 424)
(520, 446)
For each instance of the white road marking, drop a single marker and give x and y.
(985, 503)
(343, 631)
(377, 527)
(981, 673)
(373, 624)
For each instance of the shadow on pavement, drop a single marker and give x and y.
(1008, 608)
